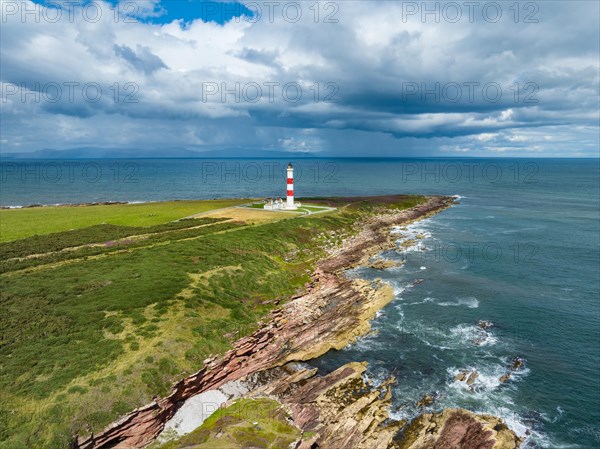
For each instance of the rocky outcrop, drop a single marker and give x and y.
(330, 314)
(472, 378)
(375, 236)
(382, 264)
(342, 411)
(426, 400)
(468, 377)
(461, 376)
(458, 429)
(481, 332)
(517, 364)
(485, 324)
(339, 410)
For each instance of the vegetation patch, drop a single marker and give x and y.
(256, 423)
(26, 222)
(115, 247)
(106, 234)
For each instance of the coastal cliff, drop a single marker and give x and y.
(339, 409)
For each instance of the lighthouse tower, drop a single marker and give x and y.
(290, 204)
(290, 187)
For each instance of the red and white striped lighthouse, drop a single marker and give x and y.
(290, 186)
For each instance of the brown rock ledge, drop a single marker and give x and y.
(332, 313)
(458, 429)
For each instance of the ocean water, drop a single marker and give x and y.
(521, 251)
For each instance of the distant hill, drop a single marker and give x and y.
(133, 153)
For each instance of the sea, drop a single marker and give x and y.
(519, 250)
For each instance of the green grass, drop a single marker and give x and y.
(311, 208)
(256, 206)
(170, 234)
(256, 423)
(85, 340)
(103, 233)
(21, 223)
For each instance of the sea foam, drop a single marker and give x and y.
(471, 302)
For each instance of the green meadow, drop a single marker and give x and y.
(20, 223)
(99, 320)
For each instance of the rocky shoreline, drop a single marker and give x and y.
(339, 409)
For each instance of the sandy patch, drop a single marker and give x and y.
(250, 215)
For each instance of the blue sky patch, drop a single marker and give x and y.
(169, 10)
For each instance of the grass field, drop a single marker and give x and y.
(311, 208)
(20, 223)
(89, 334)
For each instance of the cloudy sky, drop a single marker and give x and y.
(346, 78)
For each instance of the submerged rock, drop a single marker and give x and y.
(517, 363)
(485, 325)
(461, 376)
(425, 401)
(466, 376)
(472, 378)
(479, 340)
(505, 378)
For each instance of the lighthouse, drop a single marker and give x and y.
(290, 187)
(289, 204)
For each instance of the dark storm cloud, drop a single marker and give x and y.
(257, 56)
(143, 60)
